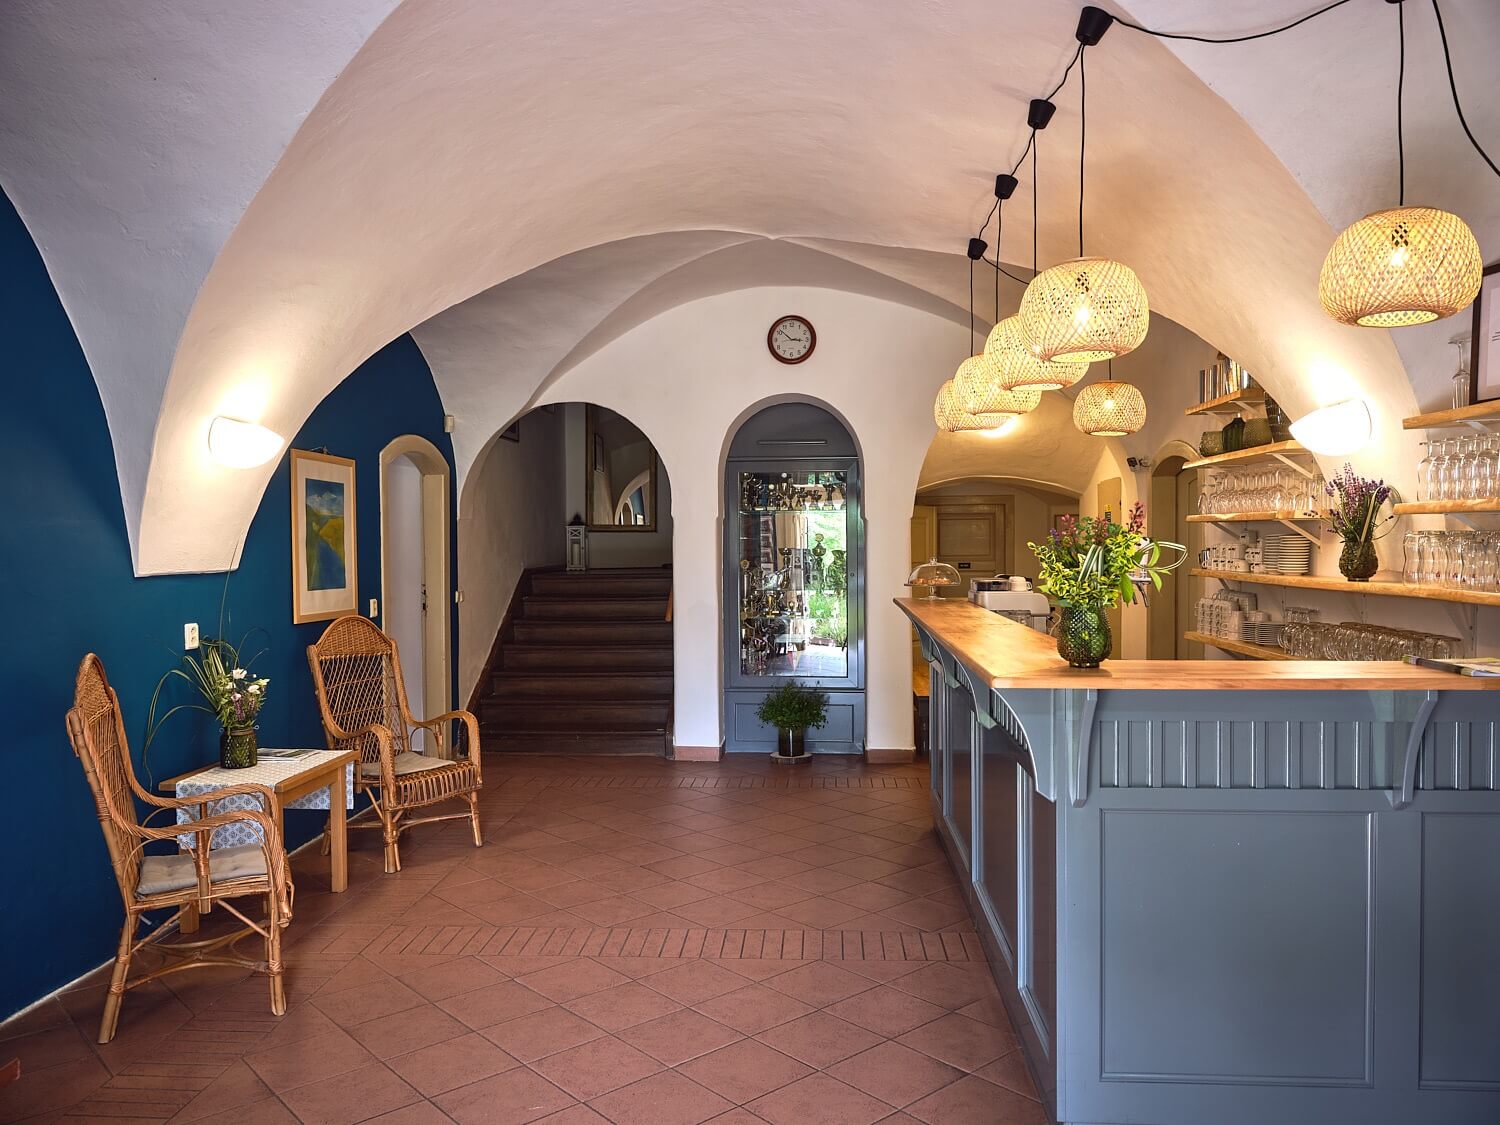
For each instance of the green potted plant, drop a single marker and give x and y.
(1091, 565)
(792, 709)
(230, 692)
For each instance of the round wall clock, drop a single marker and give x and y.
(792, 339)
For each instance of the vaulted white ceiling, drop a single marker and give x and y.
(240, 203)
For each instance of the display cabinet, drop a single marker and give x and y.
(794, 580)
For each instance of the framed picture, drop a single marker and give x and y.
(1484, 363)
(325, 582)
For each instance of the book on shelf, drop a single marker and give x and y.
(1480, 666)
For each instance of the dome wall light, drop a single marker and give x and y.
(1337, 429)
(1405, 265)
(1109, 409)
(240, 444)
(1015, 367)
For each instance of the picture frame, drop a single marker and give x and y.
(1484, 354)
(324, 534)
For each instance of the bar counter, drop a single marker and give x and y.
(1226, 892)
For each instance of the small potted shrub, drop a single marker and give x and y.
(791, 709)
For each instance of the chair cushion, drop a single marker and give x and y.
(163, 873)
(407, 762)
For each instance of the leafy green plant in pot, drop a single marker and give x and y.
(1089, 566)
(792, 709)
(219, 675)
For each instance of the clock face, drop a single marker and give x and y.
(791, 339)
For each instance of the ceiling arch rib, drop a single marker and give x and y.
(132, 137)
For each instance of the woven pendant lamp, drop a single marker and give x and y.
(1084, 310)
(979, 391)
(1109, 409)
(951, 417)
(1405, 265)
(1015, 368)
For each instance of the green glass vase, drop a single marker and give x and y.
(237, 748)
(1083, 637)
(1358, 561)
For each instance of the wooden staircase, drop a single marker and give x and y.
(583, 664)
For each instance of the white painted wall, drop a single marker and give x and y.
(514, 521)
(612, 549)
(690, 375)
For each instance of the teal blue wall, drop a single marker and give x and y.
(68, 589)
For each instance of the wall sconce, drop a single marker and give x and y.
(240, 444)
(1335, 430)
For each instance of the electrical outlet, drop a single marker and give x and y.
(374, 607)
(190, 636)
(458, 596)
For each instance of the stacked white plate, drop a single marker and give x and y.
(1286, 554)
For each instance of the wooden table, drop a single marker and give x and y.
(326, 772)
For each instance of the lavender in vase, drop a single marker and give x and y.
(1355, 514)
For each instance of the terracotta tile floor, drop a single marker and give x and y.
(639, 941)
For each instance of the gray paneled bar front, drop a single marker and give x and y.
(1232, 905)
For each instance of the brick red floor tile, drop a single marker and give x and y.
(683, 1035)
(514, 1097)
(820, 983)
(895, 1073)
(625, 1005)
(959, 1041)
(573, 979)
(440, 1067)
(347, 1098)
(694, 981)
(745, 1070)
(820, 1098)
(973, 1101)
(596, 1067)
(398, 1033)
(753, 1009)
(667, 1098)
(542, 1033)
(886, 1011)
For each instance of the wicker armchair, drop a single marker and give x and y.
(195, 880)
(357, 676)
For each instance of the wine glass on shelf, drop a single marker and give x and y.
(1424, 472)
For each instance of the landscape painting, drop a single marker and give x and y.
(324, 582)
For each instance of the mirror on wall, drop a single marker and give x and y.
(621, 474)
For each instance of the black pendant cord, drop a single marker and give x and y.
(1033, 210)
(1453, 89)
(1031, 140)
(1083, 132)
(1123, 22)
(1400, 101)
(971, 306)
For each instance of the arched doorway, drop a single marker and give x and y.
(415, 567)
(794, 574)
(1173, 497)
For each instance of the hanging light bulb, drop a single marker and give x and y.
(980, 391)
(951, 417)
(1015, 367)
(1406, 265)
(1083, 311)
(1109, 409)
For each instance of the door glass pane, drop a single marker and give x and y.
(794, 581)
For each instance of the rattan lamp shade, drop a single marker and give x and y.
(979, 391)
(1014, 367)
(1084, 311)
(950, 415)
(1406, 265)
(1109, 409)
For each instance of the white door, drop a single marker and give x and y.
(405, 581)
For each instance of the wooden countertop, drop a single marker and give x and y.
(1010, 655)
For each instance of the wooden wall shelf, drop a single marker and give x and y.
(1254, 517)
(1239, 648)
(1235, 403)
(1476, 414)
(1275, 451)
(1374, 588)
(1446, 507)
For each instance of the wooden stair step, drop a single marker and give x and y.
(515, 685)
(586, 658)
(602, 584)
(552, 608)
(596, 633)
(595, 742)
(577, 715)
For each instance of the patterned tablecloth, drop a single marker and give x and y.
(267, 772)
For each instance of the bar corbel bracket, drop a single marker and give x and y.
(1405, 790)
(1080, 742)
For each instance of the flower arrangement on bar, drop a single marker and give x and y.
(230, 692)
(1355, 515)
(1089, 566)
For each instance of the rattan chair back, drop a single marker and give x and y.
(356, 672)
(98, 736)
